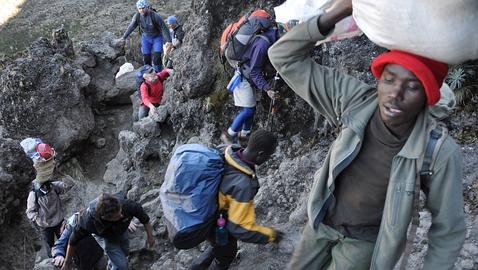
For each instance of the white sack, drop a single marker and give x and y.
(303, 10)
(125, 68)
(444, 30)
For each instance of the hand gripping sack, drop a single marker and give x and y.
(445, 30)
(189, 194)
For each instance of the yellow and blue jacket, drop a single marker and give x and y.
(236, 197)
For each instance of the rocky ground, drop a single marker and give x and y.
(74, 102)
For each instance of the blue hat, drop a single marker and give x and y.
(142, 4)
(172, 19)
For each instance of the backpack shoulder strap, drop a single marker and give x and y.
(138, 22)
(431, 151)
(432, 148)
(35, 192)
(264, 38)
(153, 19)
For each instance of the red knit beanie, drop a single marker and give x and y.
(430, 72)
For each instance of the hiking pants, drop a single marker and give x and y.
(328, 249)
(154, 46)
(244, 119)
(89, 254)
(143, 111)
(216, 257)
(117, 251)
(49, 234)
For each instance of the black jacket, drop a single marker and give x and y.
(90, 223)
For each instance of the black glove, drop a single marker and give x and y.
(279, 236)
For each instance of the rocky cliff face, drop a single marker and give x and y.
(74, 102)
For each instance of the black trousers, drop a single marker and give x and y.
(49, 234)
(216, 257)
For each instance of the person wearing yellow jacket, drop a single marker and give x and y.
(237, 190)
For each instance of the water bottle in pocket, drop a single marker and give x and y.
(234, 82)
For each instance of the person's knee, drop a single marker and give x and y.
(249, 112)
(121, 263)
(157, 61)
(117, 257)
(147, 59)
(142, 112)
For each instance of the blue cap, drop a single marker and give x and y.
(172, 19)
(142, 4)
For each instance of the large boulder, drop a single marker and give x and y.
(16, 172)
(42, 96)
(193, 61)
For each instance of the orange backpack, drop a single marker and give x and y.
(238, 35)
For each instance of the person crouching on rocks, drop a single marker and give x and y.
(152, 90)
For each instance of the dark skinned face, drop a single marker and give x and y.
(401, 97)
(262, 157)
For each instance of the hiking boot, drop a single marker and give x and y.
(243, 140)
(203, 261)
(228, 139)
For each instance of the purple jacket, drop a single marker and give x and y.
(255, 59)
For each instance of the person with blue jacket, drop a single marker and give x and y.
(153, 33)
(253, 65)
(88, 254)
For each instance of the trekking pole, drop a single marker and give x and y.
(270, 115)
(272, 106)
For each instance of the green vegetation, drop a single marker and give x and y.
(463, 80)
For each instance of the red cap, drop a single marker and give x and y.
(45, 151)
(431, 73)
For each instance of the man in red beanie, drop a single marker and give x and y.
(362, 200)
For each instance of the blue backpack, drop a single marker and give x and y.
(189, 194)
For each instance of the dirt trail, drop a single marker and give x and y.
(84, 20)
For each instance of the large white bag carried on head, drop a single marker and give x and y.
(302, 10)
(443, 30)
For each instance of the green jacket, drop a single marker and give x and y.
(349, 104)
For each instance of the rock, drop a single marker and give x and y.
(100, 143)
(45, 264)
(62, 42)
(146, 127)
(191, 74)
(124, 86)
(45, 99)
(87, 61)
(160, 114)
(82, 78)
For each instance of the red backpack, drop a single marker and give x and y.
(238, 35)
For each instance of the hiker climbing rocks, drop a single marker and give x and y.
(109, 217)
(88, 254)
(153, 34)
(252, 67)
(44, 206)
(237, 190)
(177, 36)
(366, 192)
(151, 91)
